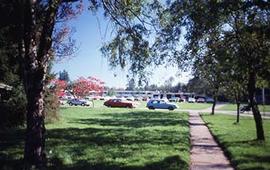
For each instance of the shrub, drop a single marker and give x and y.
(13, 110)
(51, 106)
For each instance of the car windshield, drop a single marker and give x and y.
(117, 100)
(155, 101)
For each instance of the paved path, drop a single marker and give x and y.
(205, 152)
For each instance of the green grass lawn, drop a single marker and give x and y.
(238, 141)
(194, 106)
(108, 138)
(233, 107)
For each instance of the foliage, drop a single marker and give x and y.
(133, 22)
(131, 84)
(82, 86)
(51, 108)
(14, 107)
(13, 110)
(58, 86)
(166, 87)
(238, 141)
(63, 75)
(199, 86)
(107, 138)
(111, 92)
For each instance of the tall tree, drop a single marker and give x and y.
(246, 23)
(35, 26)
(63, 75)
(211, 64)
(198, 85)
(32, 28)
(131, 84)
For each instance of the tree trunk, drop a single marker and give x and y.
(214, 105)
(35, 131)
(238, 111)
(36, 59)
(254, 106)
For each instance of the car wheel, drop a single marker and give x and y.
(171, 108)
(151, 108)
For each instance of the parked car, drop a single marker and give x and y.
(200, 100)
(174, 99)
(138, 99)
(77, 102)
(130, 98)
(96, 97)
(191, 100)
(182, 99)
(108, 98)
(88, 98)
(145, 99)
(160, 104)
(209, 100)
(61, 101)
(119, 103)
(245, 108)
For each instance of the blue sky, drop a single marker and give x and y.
(88, 61)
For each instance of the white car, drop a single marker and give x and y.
(130, 98)
(138, 98)
(62, 102)
(174, 99)
(191, 100)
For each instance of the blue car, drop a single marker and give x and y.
(76, 102)
(160, 104)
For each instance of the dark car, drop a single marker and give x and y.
(209, 100)
(245, 108)
(77, 102)
(119, 103)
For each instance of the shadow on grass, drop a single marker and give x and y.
(168, 163)
(10, 163)
(253, 162)
(11, 139)
(135, 119)
(128, 137)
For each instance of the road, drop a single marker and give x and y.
(265, 115)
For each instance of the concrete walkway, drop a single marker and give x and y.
(205, 152)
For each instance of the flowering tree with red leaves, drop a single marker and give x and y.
(59, 87)
(83, 86)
